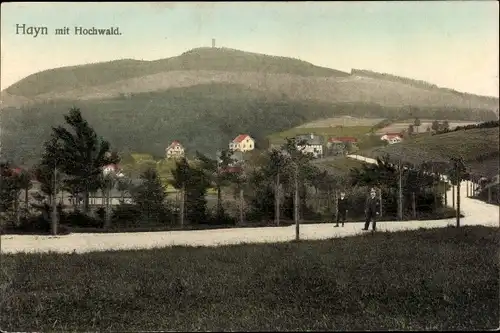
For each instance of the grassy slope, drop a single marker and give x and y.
(67, 78)
(473, 145)
(338, 165)
(443, 279)
(291, 77)
(325, 132)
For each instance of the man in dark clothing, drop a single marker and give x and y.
(372, 209)
(342, 209)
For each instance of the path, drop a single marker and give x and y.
(476, 213)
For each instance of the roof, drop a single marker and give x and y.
(343, 139)
(392, 134)
(310, 139)
(17, 170)
(240, 138)
(174, 144)
(111, 166)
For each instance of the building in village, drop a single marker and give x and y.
(340, 145)
(311, 144)
(392, 138)
(243, 143)
(175, 150)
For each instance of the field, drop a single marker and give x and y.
(478, 147)
(338, 165)
(340, 284)
(424, 123)
(345, 121)
(325, 132)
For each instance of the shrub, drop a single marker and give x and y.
(79, 219)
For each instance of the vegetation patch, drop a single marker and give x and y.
(340, 284)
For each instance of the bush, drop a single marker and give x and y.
(37, 225)
(125, 215)
(79, 219)
(222, 218)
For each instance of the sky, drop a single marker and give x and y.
(453, 44)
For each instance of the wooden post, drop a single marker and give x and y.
(445, 194)
(336, 198)
(241, 205)
(458, 203)
(414, 205)
(108, 213)
(183, 199)
(380, 198)
(277, 199)
(400, 192)
(54, 205)
(296, 204)
(328, 203)
(453, 195)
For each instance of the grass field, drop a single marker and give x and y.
(472, 145)
(325, 132)
(424, 123)
(338, 165)
(441, 279)
(346, 121)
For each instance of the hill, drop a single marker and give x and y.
(207, 96)
(292, 78)
(209, 59)
(203, 117)
(415, 83)
(479, 147)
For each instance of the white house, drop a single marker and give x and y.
(243, 143)
(313, 144)
(114, 169)
(392, 138)
(174, 150)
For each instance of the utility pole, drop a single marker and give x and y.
(277, 198)
(108, 204)
(54, 204)
(183, 196)
(242, 199)
(400, 196)
(296, 202)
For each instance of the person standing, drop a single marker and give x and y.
(372, 210)
(342, 209)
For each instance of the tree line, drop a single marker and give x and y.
(279, 186)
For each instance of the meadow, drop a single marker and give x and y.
(325, 132)
(478, 147)
(342, 121)
(399, 126)
(382, 281)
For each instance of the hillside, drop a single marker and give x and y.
(203, 117)
(415, 83)
(209, 59)
(478, 147)
(287, 77)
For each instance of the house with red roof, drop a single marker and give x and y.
(392, 138)
(175, 150)
(339, 145)
(243, 143)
